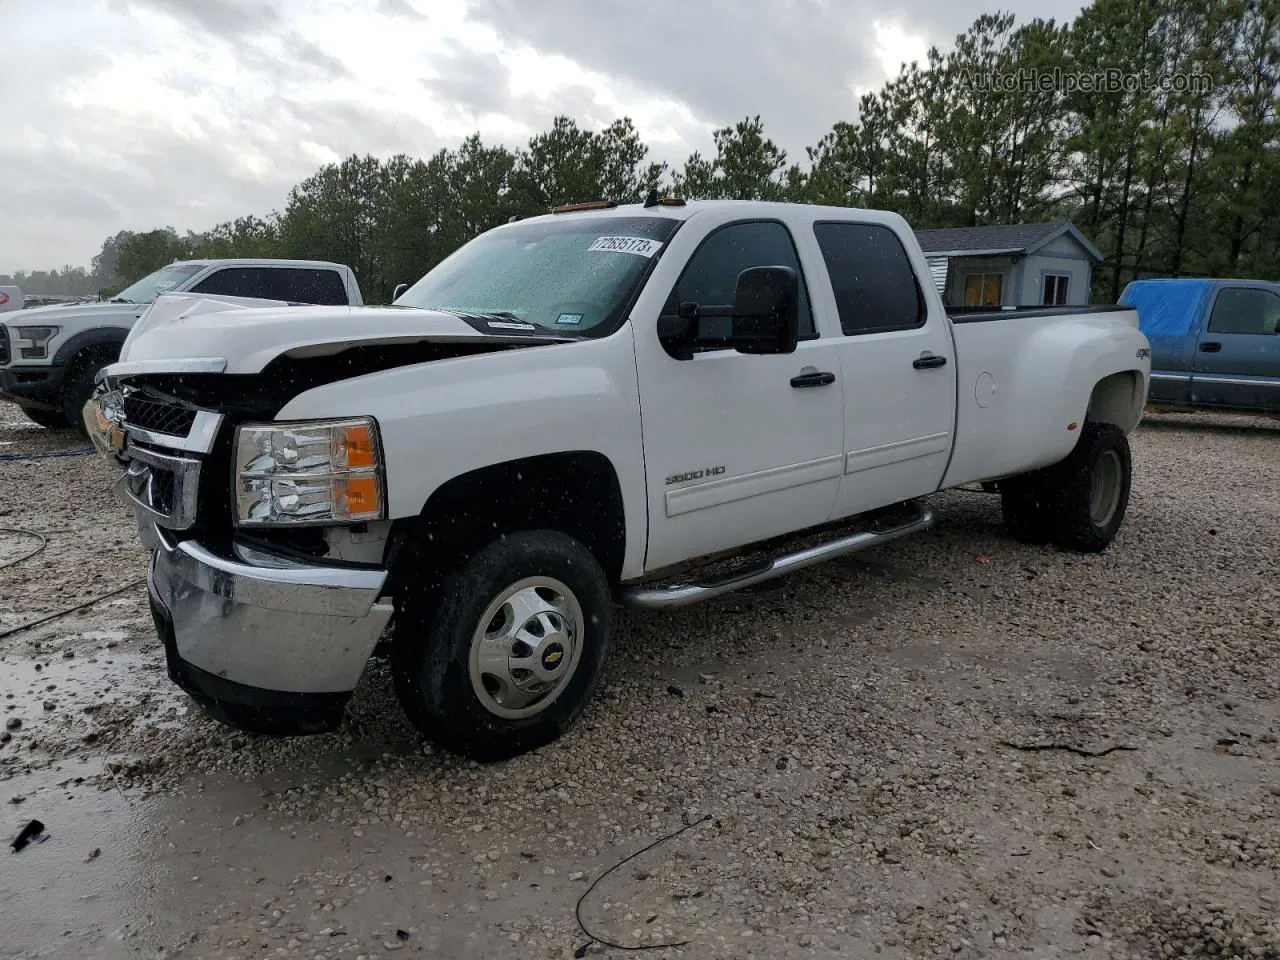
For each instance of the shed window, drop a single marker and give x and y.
(984, 290)
(1054, 289)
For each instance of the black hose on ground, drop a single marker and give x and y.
(6, 457)
(62, 613)
(26, 556)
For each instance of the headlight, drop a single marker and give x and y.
(33, 342)
(309, 472)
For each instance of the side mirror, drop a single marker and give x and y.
(763, 318)
(400, 289)
(766, 311)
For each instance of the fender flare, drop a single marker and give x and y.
(110, 337)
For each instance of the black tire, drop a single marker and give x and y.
(431, 652)
(77, 389)
(49, 419)
(1022, 506)
(1082, 519)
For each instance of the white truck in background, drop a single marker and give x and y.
(50, 355)
(653, 403)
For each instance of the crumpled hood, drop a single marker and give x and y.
(247, 338)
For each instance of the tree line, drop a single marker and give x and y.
(1153, 125)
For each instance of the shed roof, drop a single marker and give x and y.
(1024, 238)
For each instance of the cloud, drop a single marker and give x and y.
(475, 80)
(223, 19)
(399, 8)
(129, 114)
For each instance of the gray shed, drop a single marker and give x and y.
(1024, 264)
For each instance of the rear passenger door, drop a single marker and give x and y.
(1238, 354)
(897, 366)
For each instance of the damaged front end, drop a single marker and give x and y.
(263, 637)
(268, 625)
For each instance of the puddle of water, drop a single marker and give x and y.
(84, 684)
(54, 888)
(79, 679)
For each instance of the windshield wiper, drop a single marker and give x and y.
(121, 300)
(483, 314)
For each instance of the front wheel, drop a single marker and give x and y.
(1086, 494)
(76, 391)
(505, 656)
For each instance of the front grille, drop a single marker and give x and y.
(162, 490)
(158, 416)
(4, 343)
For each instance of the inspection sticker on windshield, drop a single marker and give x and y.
(569, 319)
(641, 246)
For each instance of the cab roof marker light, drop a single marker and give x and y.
(593, 205)
(652, 200)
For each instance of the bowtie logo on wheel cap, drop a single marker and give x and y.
(552, 656)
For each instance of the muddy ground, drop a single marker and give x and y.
(855, 735)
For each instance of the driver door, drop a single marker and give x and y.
(1237, 358)
(737, 447)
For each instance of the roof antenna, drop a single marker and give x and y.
(652, 199)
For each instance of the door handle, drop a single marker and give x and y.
(813, 378)
(928, 362)
(1210, 347)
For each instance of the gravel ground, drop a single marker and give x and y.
(851, 734)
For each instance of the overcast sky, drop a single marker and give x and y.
(131, 114)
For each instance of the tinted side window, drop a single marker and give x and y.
(875, 288)
(233, 282)
(305, 285)
(1245, 310)
(711, 275)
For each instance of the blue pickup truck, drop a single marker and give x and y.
(1215, 344)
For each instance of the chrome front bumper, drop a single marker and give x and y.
(266, 622)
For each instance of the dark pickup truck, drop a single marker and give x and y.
(1215, 344)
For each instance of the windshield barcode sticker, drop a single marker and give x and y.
(641, 246)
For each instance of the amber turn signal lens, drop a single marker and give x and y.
(357, 498)
(358, 442)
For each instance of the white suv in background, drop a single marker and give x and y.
(49, 355)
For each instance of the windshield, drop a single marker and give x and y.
(572, 276)
(162, 281)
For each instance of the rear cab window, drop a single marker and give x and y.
(876, 290)
(305, 285)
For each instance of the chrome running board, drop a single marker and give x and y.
(654, 597)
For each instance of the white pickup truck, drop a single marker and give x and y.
(653, 403)
(49, 356)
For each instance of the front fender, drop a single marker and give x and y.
(107, 339)
(441, 419)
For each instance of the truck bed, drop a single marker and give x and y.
(1023, 388)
